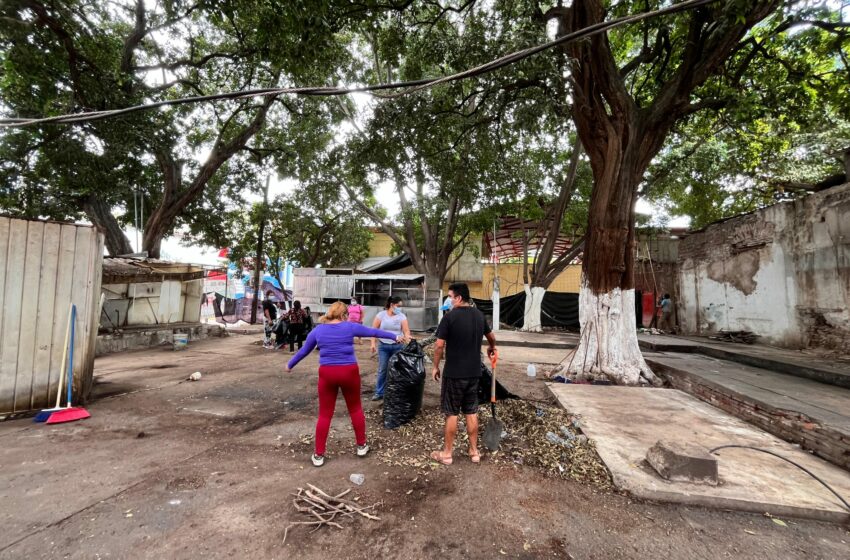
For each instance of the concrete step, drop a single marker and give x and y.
(779, 360)
(799, 410)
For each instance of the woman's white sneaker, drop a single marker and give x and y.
(363, 450)
(318, 460)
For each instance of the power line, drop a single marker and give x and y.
(408, 87)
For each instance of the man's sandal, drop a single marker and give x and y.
(440, 458)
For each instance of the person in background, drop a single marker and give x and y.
(308, 321)
(281, 327)
(269, 316)
(338, 369)
(295, 318)
(393, 320)
(459, 334)
(355, 314)
(666, 322)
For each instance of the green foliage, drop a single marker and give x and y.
(785, 128)
(74, 55)
(310, 227)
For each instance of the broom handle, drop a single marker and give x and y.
(64, 357)
(71, 354)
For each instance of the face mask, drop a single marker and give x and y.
(353, 303)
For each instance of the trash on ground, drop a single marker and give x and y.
(195, 376)
(745, 337)
(357, 478)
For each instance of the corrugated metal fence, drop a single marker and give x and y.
(44, 267)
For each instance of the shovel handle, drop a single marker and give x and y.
(493, 359)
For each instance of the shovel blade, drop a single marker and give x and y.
(493, 434)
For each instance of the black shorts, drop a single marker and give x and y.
(459, 395)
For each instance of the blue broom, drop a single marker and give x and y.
(45, 413)
(70, 413)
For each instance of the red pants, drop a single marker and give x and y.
(331, 380)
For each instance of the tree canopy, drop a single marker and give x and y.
(749, 102)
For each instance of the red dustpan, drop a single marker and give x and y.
(69, 413)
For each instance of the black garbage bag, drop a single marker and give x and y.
(405, 386)
(484, 387)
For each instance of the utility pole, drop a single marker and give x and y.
(258, 261)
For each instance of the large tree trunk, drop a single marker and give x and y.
(608, 346)
(101, 216)
(621, 138)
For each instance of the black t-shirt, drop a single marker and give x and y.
(462, 329)
(270, 307)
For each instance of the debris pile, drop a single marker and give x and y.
(538, 436)
(323, 510)
(745, 337)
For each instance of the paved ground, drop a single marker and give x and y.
(173, 469)
(626, 421)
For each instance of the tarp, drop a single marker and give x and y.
(559, 309)
(375, 266)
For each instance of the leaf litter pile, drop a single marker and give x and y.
(543, 437)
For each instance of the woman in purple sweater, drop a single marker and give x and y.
(338, 370)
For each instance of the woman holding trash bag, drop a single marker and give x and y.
(393, 320)
(338, 369)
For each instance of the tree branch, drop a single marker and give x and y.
(134, 38)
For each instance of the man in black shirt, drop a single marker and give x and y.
(459, 334)
(269, 315)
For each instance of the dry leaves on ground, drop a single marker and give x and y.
(571, 456)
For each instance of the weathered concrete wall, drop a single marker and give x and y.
(150, 337)
(151, 303)
(782, 272)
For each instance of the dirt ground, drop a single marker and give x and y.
(167, 468)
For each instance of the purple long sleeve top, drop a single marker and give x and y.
(336, 343)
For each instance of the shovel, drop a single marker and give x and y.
(494, 427)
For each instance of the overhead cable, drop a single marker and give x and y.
(408, 87)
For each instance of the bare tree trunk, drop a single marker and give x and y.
(258, 260)
(101, 216)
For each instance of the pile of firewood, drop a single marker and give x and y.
(323, 510)
(736, 336)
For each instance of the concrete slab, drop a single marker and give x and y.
(625, 422)
(796, 409)
(799, 363)
(830, 405)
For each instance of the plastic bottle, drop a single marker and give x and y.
(531, 370)
(554, 438)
